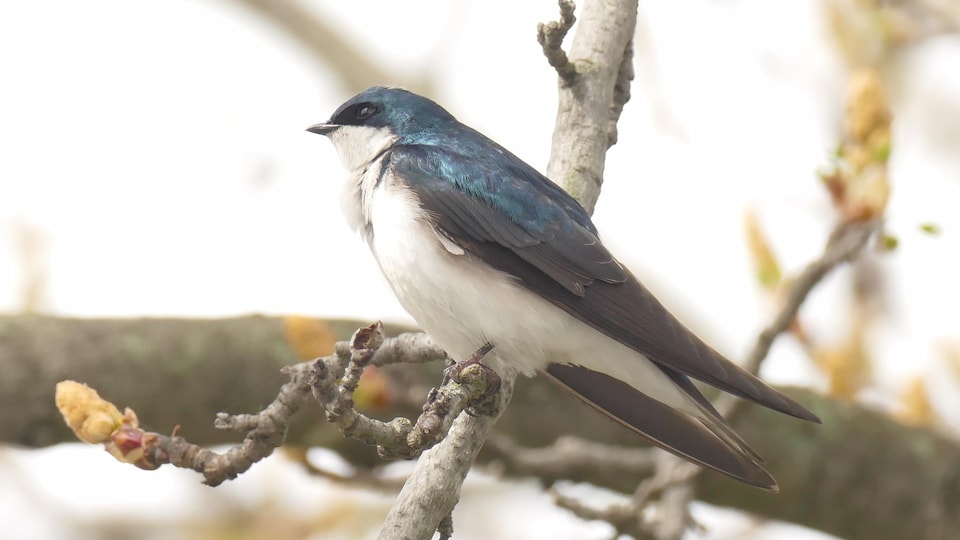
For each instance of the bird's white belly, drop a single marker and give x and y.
(463, 303)
(460, 302)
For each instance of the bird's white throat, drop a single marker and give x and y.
(359, 145)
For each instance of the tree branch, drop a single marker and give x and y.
(396, 438)
(433, 489)
(324, 42)
(550, 36)
(590, 101)
(96, 421)
(846, 240)
(833, 476)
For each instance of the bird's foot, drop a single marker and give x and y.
(491, 378)
(453, 371)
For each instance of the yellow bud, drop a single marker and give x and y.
(866, 105)
(91, 418)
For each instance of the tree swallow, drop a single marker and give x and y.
(481, 249)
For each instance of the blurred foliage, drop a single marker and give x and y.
(858, 180)
(309, 337)
(871, 32)
(859, 188)
(916, 408)
(846, 365)
(766, 267)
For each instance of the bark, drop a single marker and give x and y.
(432, 491)
(592, 97)
(859, 475)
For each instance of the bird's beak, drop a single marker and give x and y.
(323, 129)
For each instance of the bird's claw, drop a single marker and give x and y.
(453, 371)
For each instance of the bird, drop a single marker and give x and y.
(483, 250)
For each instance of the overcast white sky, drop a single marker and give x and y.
(158, 149)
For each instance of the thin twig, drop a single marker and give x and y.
(265, 430)
(398, 437)
(623, 517)
(571, 457)
(846, 240)
(550, 35)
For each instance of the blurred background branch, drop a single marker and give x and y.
(833, 477)
(326, 42)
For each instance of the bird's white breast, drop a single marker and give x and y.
(463, 303)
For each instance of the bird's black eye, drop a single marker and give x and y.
(366, 110)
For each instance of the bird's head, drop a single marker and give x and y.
(379, 117)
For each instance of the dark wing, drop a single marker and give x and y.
(519, 222)
(508, 211)
(669, 429)
(630, 314)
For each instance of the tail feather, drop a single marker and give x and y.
(708, 441)
(718, 423)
